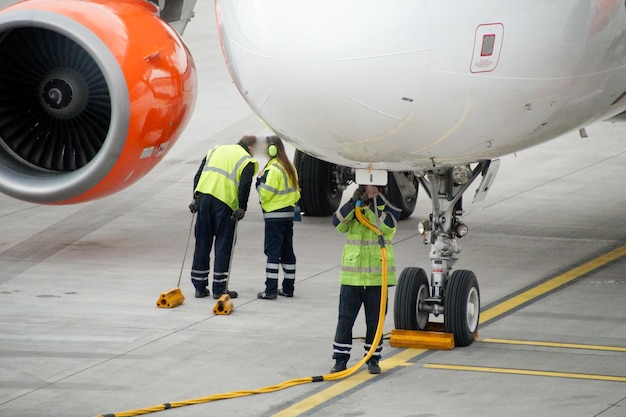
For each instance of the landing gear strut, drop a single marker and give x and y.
(454, 294)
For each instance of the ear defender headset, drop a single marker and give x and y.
(272, 150)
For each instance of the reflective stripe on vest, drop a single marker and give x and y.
(278, 215)
(361, 264)
(230, 175)
(278, 192)
(366, 242)
(285, 181)
(222, 172)
(368, 270)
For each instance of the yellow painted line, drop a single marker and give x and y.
(400, 359)
(551, 284)
(325, 395)
(526, 372)
(555, 345)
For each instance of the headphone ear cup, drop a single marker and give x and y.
(272, 150)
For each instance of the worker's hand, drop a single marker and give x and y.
(359, 194)
(238, 214)
(193, 206)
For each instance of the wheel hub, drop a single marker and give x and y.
(472, 309)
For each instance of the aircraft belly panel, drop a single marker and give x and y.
(405, 85)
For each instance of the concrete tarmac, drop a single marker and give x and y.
(80, 334)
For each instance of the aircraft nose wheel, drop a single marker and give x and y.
(462, 307)
(410, 299)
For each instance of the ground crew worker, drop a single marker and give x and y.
(361, 270)
(221, 191)
(279, 192)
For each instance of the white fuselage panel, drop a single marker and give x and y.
(406, 84)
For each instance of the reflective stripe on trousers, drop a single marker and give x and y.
(350, 300)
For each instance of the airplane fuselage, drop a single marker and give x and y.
(408, 85)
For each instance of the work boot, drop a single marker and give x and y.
(284, 294)
(265, 296)
(372, 366)
(288, 287)
(340, 365)
(202, 292)
(231, 294)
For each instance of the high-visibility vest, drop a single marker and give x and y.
(361, 264)
(222, 172)
(278, 191)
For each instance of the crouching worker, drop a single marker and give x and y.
(361, 270)
(279, 192)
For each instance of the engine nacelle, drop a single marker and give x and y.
(93, 94)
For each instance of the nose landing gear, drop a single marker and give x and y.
(455, 295)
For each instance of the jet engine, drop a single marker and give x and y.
(92, 96)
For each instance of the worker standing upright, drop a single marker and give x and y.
(361, 270)
(221, 191)
(279, 192)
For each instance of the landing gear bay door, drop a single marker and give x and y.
(489, 175)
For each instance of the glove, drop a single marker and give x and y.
(238, 214)
(359, 194)
(193, 206)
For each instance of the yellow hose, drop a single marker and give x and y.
(291, 382)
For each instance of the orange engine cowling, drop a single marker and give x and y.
(93, 94)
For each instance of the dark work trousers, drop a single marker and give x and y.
(350, 300)
(279, 251)
(213, 222)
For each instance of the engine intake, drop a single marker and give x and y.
(55, 108)
(92, 96)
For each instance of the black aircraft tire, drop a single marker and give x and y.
(462, 307)
(319, 197)
(407, 205)
(412, 287)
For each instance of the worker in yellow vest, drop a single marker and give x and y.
(361, 270)
(221, 191)
(279, 192)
